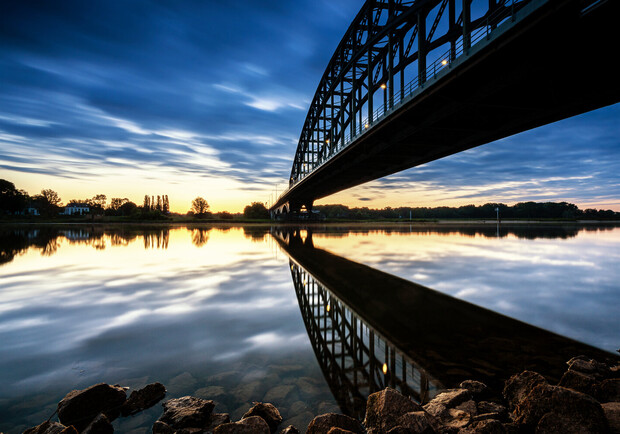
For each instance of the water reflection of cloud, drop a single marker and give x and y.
(569, 286)
(114, 314)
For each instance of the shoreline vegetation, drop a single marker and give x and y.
(47, 207)
(586, 400)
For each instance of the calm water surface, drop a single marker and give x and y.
(214, 312)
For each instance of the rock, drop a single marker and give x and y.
(452, 397)
(569, 408)
(210, 392)
(435, 409)
(486, 407)
(80, 407)
(302, 420)
(144, 398)
(608, 390)
(278, 394)
(588, 366)
(612, 414)
(182, 383)
(383, 409)
(336, 430)
(160, 427)
(477, 389)
(415, 422)
(578, 381)
(246, 392)
(520, 385)
(322, 424)
(455, 418)
(100, 425)
(307, 387)
(187, 412)
(468, 407)
(300, 406)
(290, 430)
(216, 420)
(250, 425)
(51, 428)
(268, 412)
(488, 426)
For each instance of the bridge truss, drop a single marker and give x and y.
(389, 51)
(355, 359)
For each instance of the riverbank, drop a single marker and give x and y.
(586, 400)
(310, 223)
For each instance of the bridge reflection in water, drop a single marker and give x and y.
(370, 330)
(355, 359)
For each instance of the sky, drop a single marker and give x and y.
(207, 98)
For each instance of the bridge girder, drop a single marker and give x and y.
(371, 56)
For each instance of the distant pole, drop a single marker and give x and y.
(410, 215)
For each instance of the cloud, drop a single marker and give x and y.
(223, 89)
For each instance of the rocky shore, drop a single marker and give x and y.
(586, 400)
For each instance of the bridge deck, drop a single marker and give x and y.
(553, 63)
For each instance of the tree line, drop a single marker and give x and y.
(521, 210)
(48, 203)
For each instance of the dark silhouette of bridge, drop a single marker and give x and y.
(370, 330)
(414, 81)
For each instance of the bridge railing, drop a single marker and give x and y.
(438, 67)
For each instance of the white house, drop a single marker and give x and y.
(75, 208)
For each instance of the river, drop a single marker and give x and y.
(280, 314)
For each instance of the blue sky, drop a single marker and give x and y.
(208, 98)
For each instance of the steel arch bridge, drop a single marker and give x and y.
(414, 81)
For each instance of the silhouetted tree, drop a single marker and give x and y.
(256, 210)
(97, 204)
(12, 200)
(147, 203)
(158, 207)
(200, 206)
(48, 202)
(166, 205)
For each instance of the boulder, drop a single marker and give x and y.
(486, 407)
(336, 430)
(455, 418)
(608, 390)
(250, 425)
(160, 427)
(384, 408)
(416, 422)
(468, 407)
(290, 430)
(144, 398)
(323, 423)
(210, 392)
(589, 367)
(578, 381)
(51, 428)
(268, 412)
(216, 420)
(488, 426)
(278, 394)
(566, 408)
(477, 389)
(187, 412)
(80, 407)
(452, 397)
(612, 414)
(520, 385)
(100, 425)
